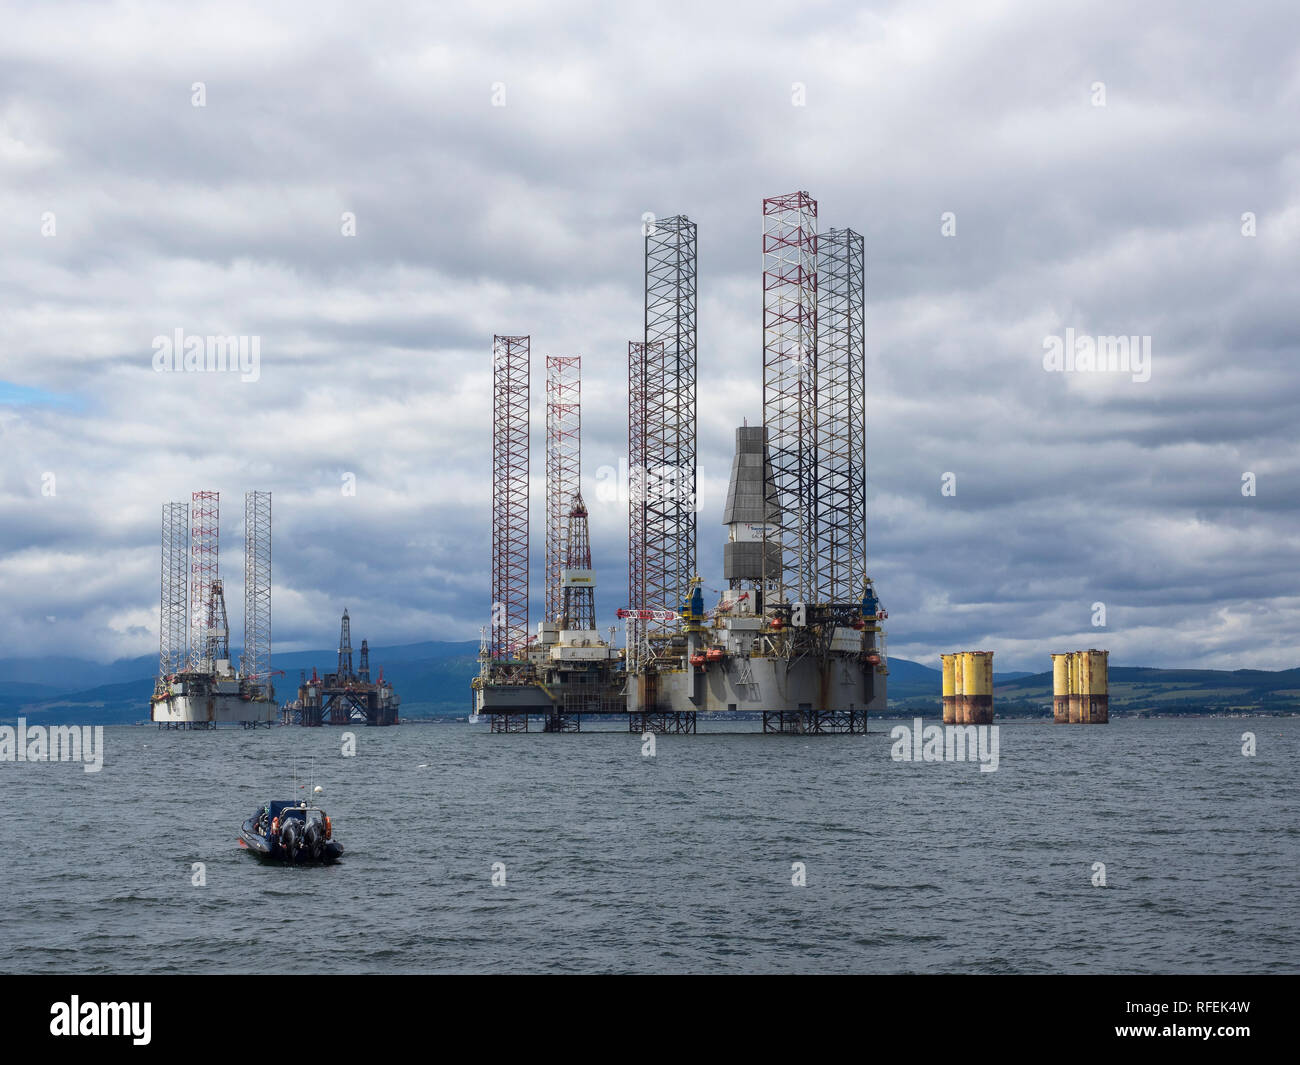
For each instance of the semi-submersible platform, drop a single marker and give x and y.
(797, 635)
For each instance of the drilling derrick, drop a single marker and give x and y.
(216, 648)
(563, 467)
(363, 670)
(667, 397)
(205, 513)
(578, 609)
(750, 518)
(344, 671)
(255, 665)
(173, 621)
(790, 384)
(841, 407)
(577, 674)
(509, 630)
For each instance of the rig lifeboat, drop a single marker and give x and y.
(873, 658)
(714, 654)
(697, 659)
(776, 624)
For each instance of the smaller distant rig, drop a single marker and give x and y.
(797, 633)
(198, 686)
(344, 697)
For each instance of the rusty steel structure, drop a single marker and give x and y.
(173, 619)
(667, 443)
(510, 370)
(255, 663)
(563, 466)
(205, 520)
(790, 387)
(841, 519)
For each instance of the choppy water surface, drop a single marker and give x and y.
(681, 862)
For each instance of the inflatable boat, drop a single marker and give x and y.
(291, 832)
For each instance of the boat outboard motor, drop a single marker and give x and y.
(313, 840)
(290, 840)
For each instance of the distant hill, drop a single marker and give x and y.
(108, 704)
(1143, 690)
(433, 679)
(910, 680)
(66, 674)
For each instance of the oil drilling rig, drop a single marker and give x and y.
(198, 686)
(566, 670)
(797, 634)
(345, 696)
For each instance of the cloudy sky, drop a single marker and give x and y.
(1113, 169)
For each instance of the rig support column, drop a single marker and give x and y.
(510, 368)
(205, 520)
(841, 417)
(256, 658)
(949, 690)
(1075, 677)
(668, 403)
(790, 383)
(979, 685)
(173, 621)
(636, 517)
(563, 465)
(1061, 689)
(1094, 694)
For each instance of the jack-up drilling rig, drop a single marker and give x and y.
(198, 686)
(797, 634)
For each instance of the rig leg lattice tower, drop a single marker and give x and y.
(256, 661)
(668, 412)
(205, 520)
(173, 620)
(842, 417)
(790, 384)
(636, 525)
(563, 466)
(510, 368)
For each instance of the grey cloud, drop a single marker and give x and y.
(473, 219)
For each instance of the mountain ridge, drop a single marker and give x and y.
(432, 677)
